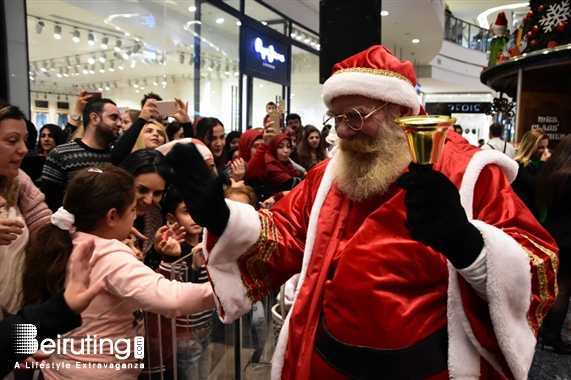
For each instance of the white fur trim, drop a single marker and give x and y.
(473, 170)
(389, 89)
(242, 231)
(324, 187)
(508, 294)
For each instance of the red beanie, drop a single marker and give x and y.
(377, 74)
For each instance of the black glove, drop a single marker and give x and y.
(202, 192)
(435, 216)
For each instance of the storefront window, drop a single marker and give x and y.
(271, 19)
(305, 97)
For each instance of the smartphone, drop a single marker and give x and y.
(167, 107)
(275, 117)
(94, 95)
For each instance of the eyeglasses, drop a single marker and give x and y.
(352, 117)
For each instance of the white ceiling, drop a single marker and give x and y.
(407, 19)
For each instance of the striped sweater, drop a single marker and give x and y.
(63, 163)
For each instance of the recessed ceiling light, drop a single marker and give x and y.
(192, 9)
(238, 23)
(384, 13)
(415, 41)
(219, 20)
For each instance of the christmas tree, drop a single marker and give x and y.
(546, 24)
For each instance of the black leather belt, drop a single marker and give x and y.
(418, 361)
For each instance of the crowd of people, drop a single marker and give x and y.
(103, 224)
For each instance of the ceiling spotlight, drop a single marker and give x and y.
(111, 66)
(85, 70)
(91, 60)
(66, 72)
(121, 65)
(145, 82)
(77, 60)
(164, 82)
(181, 58)
(75, 35)
(227, 71)
(44, 66)
(102, 58)
(211, 67)
(384, 13)
(47, 73)
(126, 54)
(219, 20)
(100, 88)
(115, 85)
(129, 82)
(60, 73)
(133, 63)
(156, 82)
(264, 23)
(102, 68)
(91, 38)
(192, 9)
(68, 61)
(136, 84)
(104, 42)
(306, 40)
(57, 32)
(107, 87)
(238, 23)
(76, 71)
(92, 69)
(236, 73)
(136, 48)
(35, 66)
(117, 47)
(39, 26)
(415, 41)
(52, 65)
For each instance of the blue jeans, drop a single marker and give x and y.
(194, 358)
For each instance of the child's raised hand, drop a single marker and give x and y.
(170, 247)
(166, 237)
(238, 169)
(197, 257)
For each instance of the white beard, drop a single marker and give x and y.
(366, 167)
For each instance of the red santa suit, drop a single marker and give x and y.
(379, 288)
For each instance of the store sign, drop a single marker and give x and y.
(550, 125)
(265, 55)
(464, 107)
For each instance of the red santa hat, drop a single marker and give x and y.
(501, 20)
(377, 74)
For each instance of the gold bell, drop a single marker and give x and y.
(425, 135)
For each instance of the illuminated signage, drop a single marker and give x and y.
(265, 57)
(463, 107)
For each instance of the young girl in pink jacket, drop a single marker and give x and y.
(100, 205)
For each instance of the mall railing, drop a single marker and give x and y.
(465, 34)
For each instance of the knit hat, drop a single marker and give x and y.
(377, 74)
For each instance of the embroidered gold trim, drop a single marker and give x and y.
(552, 256)
(384, 73)
(542, 278)
(256, 257)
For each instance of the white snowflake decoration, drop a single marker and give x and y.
(555, 14)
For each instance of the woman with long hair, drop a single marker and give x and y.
(311, 149)
(50, 136)
(24, 211)
(531, 155)
(152, 136)
(210, 131)
(554, 202)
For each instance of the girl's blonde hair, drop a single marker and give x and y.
(528, 145)
(139, 144)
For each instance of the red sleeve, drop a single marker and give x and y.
(257, 164)
(496, 204)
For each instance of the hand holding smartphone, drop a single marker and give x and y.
(94, 95)
(167, 107)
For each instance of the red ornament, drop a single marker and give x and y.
(524, 20)
(529, 34)
(552, 44)
(540, 8)
(535, 29)
(530, 14)
(561, 26)
(533, 43)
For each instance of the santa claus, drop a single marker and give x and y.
(404, 273)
